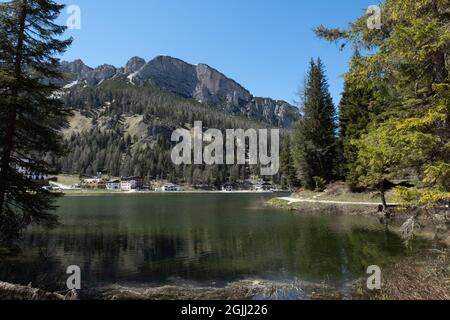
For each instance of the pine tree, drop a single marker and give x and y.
(354, 116)
(408, 71)
(289, 175)
(31, 116)
(315, 134)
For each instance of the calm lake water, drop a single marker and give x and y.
(206, 239)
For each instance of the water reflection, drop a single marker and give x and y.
(203, 238)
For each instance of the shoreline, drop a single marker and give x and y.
(325, 207)
(292, 200)
(429, 226)
(69, 193)
(246, 289)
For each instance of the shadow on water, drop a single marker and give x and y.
(206, 239)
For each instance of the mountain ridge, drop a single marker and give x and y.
(200, 82)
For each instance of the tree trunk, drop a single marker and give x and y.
(383, 197)
(12, 109)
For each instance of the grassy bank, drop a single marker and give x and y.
(68, 180)
(424, 277)
(326, 203)
(434, 226)
(371, 197)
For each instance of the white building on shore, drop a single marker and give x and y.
(113, 185)
(227, 187)
(131, 183)
(264, 187)
(170, 187)
(36, 177)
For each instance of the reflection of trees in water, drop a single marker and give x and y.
(364, 249)
(308, 250)
(339, 255)
(42, 268)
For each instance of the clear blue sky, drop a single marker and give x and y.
(265, 45)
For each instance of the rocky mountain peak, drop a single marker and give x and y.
(200, 82)
(134, 64)
(76, 68)
(214, 87)
(169, 73)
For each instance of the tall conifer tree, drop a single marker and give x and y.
(289, 175)
(315, 134)
(354, 115)
(31, 116)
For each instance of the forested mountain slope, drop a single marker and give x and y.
(123, 118)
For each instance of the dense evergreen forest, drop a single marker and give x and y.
(112, 145)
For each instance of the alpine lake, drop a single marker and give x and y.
(205, 240)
